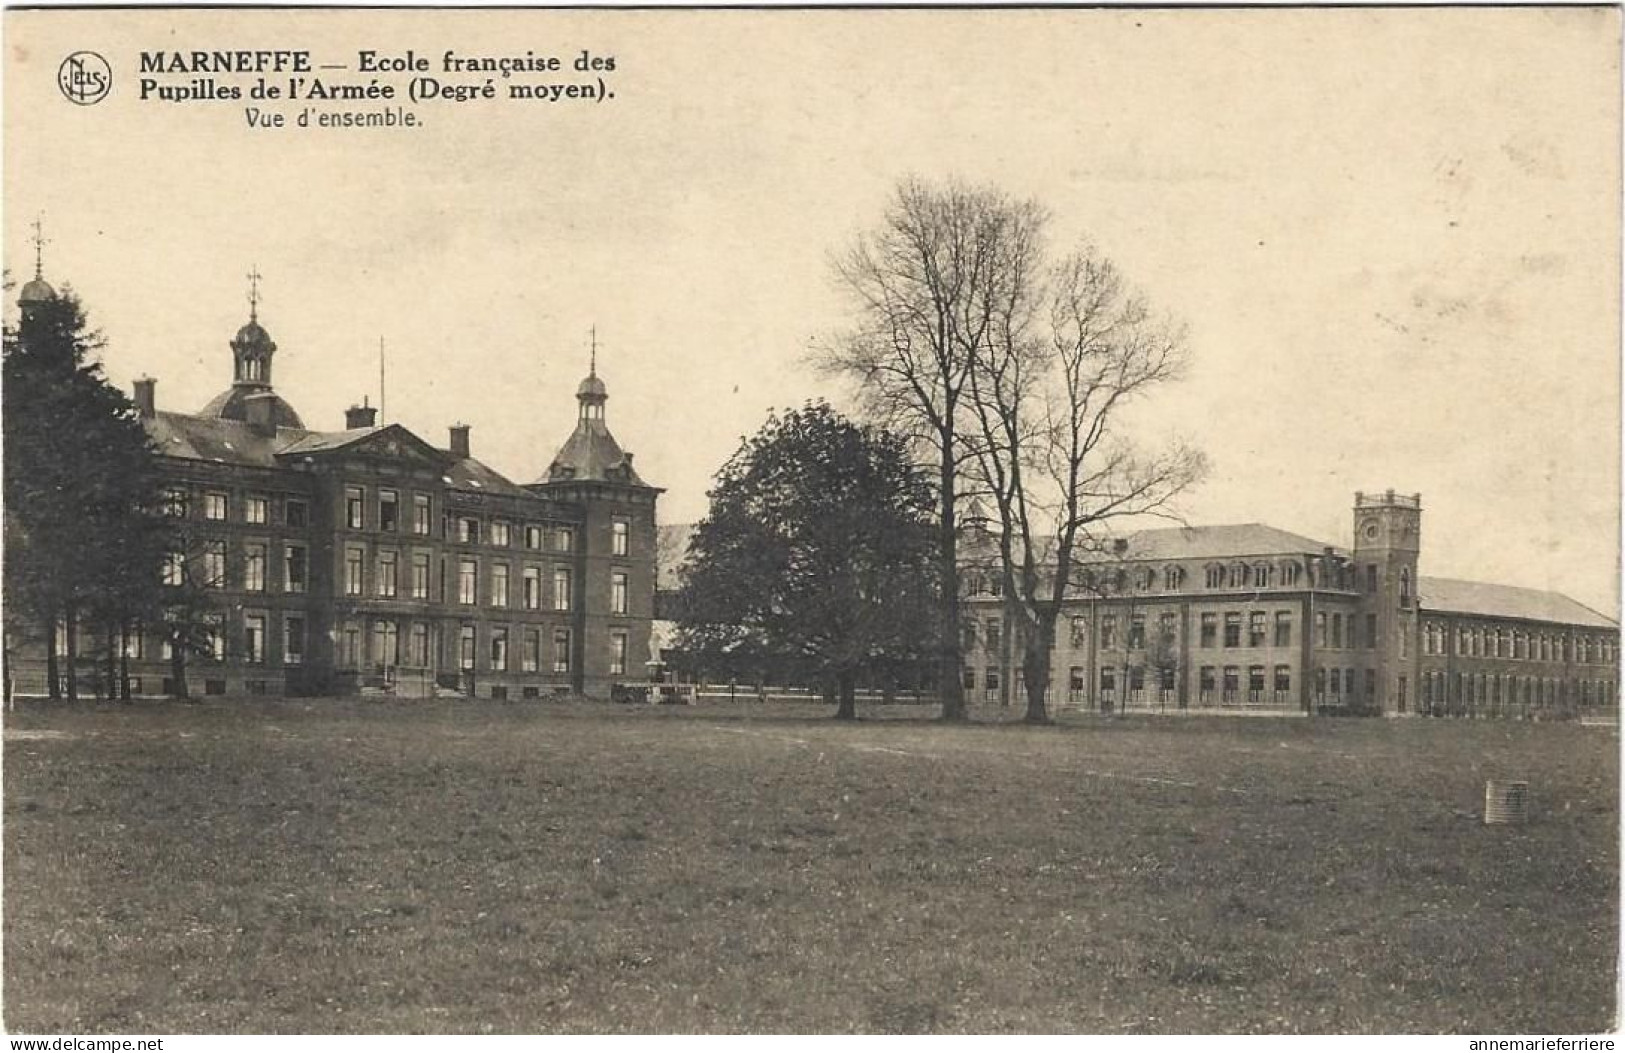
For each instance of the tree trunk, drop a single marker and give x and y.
(950, 684)
(124, 661)
(73, 655)
(177, 671)
(847, 683)
(110, 666)
(1035, 669)
(53, 673)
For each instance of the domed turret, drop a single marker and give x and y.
(592, 388)
(251, 352)
(36, 291)
(253, 337)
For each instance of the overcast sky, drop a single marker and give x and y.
(1394, 235)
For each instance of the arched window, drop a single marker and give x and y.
(1144, 578)
(1215, 576)
(1173, 578)
(1404, 586)
(1261, 575)
(1238, 575)
(1291, 571)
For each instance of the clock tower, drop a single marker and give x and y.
(1387, 544)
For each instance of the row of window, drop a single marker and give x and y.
(386, 515)
(471, 529)
(215, 505)
(1236, 575)
(1224, 685)
(384, 651)
(389, 647)
(1491, 691)
(1238, 628)
(1214, 684)
(1478, 641)
(206, 566)
(530, 594)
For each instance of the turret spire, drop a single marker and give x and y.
(36, 291)
(254, 294)
(39, 246)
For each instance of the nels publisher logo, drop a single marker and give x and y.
(84, 78)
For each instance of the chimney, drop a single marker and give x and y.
(459, 441)
(362, 416)
(146, 397)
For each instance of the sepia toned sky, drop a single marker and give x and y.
(1394, 235)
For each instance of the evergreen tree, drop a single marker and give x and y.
(83, 527)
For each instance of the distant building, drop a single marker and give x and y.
(1237, 617)
(1252, 617)
(368, 557)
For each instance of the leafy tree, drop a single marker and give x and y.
(816, 558)
(84, 535)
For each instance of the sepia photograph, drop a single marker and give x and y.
(820, 521)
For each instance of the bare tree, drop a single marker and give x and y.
(932, 286)
(1072, 348)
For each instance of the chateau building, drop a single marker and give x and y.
(366, 557)
(1237, 617)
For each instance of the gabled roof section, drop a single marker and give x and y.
(591, 454)
(1507, 601)
(388, 441)
(327, 441)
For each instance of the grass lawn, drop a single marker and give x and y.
(348, 866)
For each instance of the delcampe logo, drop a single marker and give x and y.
(84, 78)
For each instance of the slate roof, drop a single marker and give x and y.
(1217, 542)
(216, 440)
(473, 475)
(220, 441)
(1507, 601)
(592, 453)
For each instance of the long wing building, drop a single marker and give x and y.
(1249, 616)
